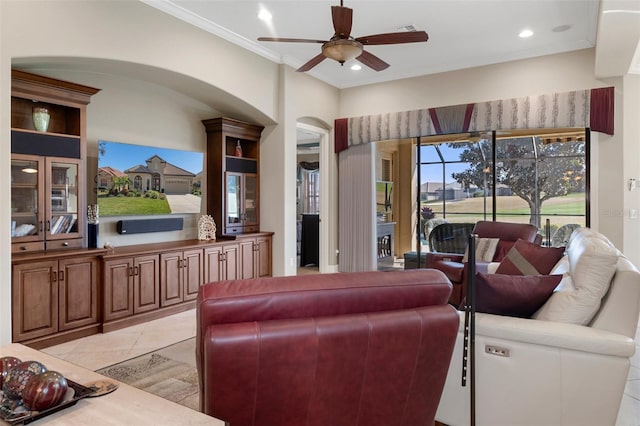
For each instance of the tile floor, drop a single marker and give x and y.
(101, 350)
(629, 414)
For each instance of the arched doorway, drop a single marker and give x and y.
(156, 182)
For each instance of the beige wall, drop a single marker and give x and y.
(546, 74)
(302, 97)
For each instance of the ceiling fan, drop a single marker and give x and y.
(342, 47)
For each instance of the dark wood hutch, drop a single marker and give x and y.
(61, 290)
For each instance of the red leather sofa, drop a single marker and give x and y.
(363, 348)
(453, 267)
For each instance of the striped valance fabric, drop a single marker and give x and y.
(583, 108)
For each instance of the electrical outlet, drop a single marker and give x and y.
(496, 350)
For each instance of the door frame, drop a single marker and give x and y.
(324, 196)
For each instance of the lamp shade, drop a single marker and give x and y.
(342, 50)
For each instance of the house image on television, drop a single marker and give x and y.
(159, 175)
(106, 176)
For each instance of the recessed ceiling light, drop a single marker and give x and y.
(525, 33)
(356, 67)
(264, 15)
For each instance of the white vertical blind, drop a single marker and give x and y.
(357, 229)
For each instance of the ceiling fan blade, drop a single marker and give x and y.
(312, 63)
(394, 38)
(291, 40)
(342, 19)
(372, 61)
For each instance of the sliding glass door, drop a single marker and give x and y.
(537, 179)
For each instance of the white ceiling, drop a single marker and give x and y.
(462, 33)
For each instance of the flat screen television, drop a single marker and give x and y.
(143, 180)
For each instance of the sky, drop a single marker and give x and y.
(122, 156)
(433, 173)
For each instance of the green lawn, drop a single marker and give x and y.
(117, 206)
(513, 209)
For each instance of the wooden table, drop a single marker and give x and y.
(126, 406)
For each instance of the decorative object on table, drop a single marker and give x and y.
(101, 387)
(109, 245)
(238, 151)
(206, 228)
(44, 390)
(16, 413)
(31, 391)
(41, 118)
(6, 364)
(17, 378)
(92, 225)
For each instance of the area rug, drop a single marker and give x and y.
(169, 373)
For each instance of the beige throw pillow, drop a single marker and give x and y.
(485, 250)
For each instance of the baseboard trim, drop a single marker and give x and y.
(147, 316)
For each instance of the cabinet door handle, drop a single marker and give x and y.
(184, 263)
(61, 276)
(54, 276)
(66, 244)
(48, 225)
(41, 225)
(135, 270)
(130, 271)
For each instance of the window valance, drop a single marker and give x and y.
(584, 108)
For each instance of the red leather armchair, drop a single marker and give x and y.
(451, 263)
(364, 348)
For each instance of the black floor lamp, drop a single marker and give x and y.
(469, 344)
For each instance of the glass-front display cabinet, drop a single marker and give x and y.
(44, 202)
(48, 154)
(242, 202)
(233, 191)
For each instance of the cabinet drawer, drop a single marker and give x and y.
(27, 247)
(64, 244)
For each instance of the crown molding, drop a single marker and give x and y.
(169, 7)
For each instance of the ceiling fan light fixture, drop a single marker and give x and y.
(342, 50)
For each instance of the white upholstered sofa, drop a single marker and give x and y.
(545, 372)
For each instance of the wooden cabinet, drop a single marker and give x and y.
(54, 295)
(241, 191)
(130, 286)
(232, 176)
(48, 178)
(256, 256)
(45, 202)
(77, 292)
(181, 275)
(222, 262)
